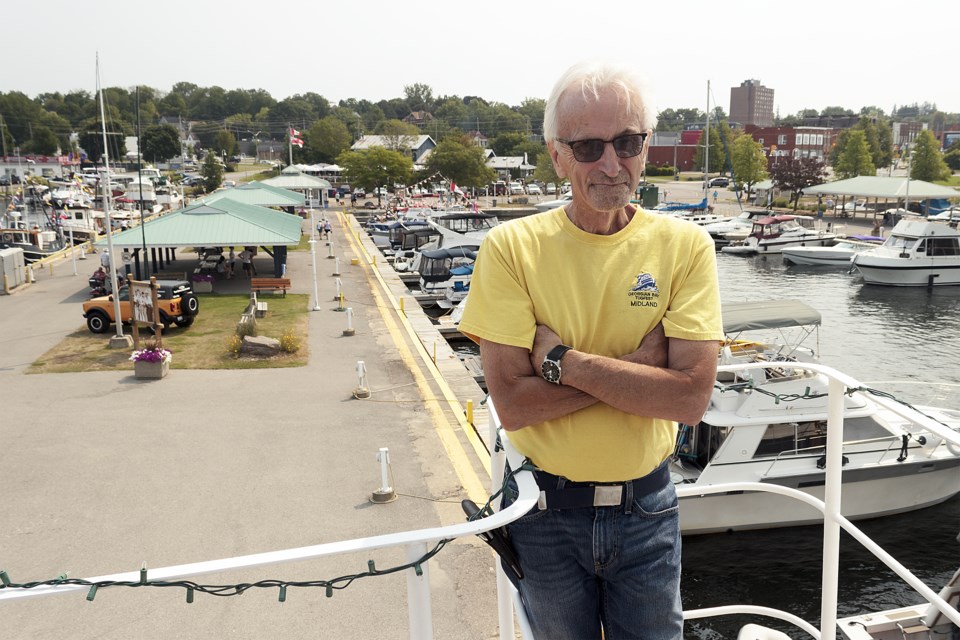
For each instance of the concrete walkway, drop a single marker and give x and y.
(102, 472)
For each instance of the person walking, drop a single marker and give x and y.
(327, 229)
(246, 258)
(598, 325)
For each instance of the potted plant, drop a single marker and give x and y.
(153, 361)
(202, 283)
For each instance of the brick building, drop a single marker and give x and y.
(796, 142)
(751, 104)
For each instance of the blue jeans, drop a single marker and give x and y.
(610, 568)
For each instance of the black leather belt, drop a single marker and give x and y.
(557, 492)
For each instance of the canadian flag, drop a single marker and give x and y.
(294, 133)
(297, 141)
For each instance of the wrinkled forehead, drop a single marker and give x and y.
(609, 107)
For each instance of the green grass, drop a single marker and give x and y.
(204, 345)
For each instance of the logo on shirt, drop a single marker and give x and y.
(645, 292)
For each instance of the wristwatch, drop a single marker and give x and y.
(550, 368)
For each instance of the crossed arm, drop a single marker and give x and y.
(665, 378)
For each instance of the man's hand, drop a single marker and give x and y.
(653, 349)
(545, 340)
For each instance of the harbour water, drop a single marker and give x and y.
(904, 341)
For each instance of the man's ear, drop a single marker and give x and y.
(555, 157)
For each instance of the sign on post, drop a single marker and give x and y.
(143, 299)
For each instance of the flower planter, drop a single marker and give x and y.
(143, 369)
(202, 286)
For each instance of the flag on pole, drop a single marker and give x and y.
(294, 133)
(297, 141)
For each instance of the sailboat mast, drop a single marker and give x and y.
(706, 147)
(105, 180)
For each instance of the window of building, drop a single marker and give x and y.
(799, 140)
(760, 140)
(782, 139)
(819, 140)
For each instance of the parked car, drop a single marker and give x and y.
(177, 304)
(515, 189)
(533, 189)
(551, 188)
(719, 181)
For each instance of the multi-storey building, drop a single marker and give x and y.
(751, 104)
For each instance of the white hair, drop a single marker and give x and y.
(591, 78)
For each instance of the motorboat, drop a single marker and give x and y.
(917, 253)
(772, 233)
(736, 228)
(769, 425)
(838, 254)
(462, 227)
(36, 243)
(441, 269)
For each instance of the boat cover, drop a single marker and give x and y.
(767, 314)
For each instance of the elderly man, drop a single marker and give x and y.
(598, 325)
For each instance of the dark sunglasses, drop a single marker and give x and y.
(590, 150)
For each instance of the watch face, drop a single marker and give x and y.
(550, 371)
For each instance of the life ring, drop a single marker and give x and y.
(8, 237)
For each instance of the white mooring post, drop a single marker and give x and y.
(385, 493)
(361, 391)
(349, 331)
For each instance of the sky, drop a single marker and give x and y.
(813, 54)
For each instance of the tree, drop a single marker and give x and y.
(419, 97)
(952, 158)
(224, 143)
(44, 142)
(160, 143)
(91, 139)
(376, 167)
(853, 155)
(717, 158)
(796, 174)
(749, 162)
(926, 162)
(212, 172)
(461, 161)
(545, 171)
(327, 139)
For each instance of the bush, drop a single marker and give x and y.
(662, 170)
(289, 342)
(781, 203)
(234, 343)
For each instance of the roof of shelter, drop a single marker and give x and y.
(262, 195)
(883, 187)
(222, 223)
(296, 181)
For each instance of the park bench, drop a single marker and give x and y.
(269, 284)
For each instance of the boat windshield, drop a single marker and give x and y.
(900, 242)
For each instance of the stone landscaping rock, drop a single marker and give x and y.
(260, 346)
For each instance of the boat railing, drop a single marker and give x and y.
(417, 543)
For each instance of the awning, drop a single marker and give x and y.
(767, 314)
(891, 188)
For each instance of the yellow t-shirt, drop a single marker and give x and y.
(602, 295)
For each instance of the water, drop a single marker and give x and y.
(904, 341)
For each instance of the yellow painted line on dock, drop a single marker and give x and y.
(475, 488)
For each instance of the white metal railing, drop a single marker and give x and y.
(510, 612)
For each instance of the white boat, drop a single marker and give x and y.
(770, 426)
(917, 622)
(917, 253)
(773, 233)
(838, 254)
(447, 268)
(736, 228)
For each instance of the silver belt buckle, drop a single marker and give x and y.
(607, 495)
